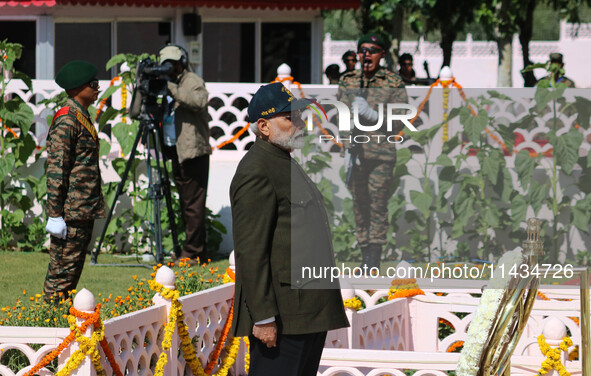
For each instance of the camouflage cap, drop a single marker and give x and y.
(76, 73)
(372, 38)
(556, 57)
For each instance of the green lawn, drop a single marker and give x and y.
(26, 271)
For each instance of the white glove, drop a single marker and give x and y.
(364, 110)
(57, 227)
(347, 159)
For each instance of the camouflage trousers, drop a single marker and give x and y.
(66, 259)
(371, 188)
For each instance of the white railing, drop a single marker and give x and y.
(388, 337)
(474, 63)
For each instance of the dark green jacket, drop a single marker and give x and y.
(277, 210)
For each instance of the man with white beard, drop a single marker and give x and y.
(280, 225)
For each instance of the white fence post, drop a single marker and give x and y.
(166, 277)
(84, 302)
(554, 331)
(283, 72)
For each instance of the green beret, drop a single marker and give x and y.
(372, 38)
(75, 73)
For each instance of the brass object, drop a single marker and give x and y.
(514, 309)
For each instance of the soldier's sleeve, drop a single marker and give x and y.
(399, 95)
(253, 222)
(60, 159)
(191, 93)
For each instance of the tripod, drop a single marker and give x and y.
(157, 188)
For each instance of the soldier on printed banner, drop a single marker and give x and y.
(74, 195)
(373, 153)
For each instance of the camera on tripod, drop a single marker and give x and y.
(151, 83)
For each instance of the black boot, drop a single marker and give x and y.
(375, 256)
(365, 257)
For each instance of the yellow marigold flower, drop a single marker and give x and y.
(46, 320)
(24, 292)
(31, 298)
(134, 277)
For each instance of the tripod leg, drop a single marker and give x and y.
(120, 186)
(156, 194)
(168, 197)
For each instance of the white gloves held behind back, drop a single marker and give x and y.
(57, 227)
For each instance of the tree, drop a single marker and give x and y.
(424, 16)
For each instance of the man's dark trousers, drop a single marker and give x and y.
(191, 178)
(294, 355)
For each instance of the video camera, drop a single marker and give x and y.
(151, 83)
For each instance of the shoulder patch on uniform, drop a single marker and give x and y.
(61, 112)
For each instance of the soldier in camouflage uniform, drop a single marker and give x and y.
(74, 195)
(371, 181)
(556, 59)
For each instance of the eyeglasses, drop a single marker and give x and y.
(371, 50)
(94, 83)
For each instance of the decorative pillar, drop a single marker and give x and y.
(166, 277)
(84, 302)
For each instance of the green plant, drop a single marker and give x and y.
(17, 155)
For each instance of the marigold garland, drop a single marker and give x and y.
(220, 343)
(87, 346)
(177, 318)
(404, 288)
(553, 356)
(454, 346)
(353, 303)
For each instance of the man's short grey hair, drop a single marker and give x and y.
(255, 129)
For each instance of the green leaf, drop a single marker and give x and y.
(491, 215)
(25, 148)
(6, 166)
(425, 135)
(566, 147)
(450, 145)
(446, 180)
(125, 134)
(17, 113)
(505, 185)
(26, 79)
(490, 165)
(444, 160)
(105, 148)
(542, 96)
(110, 91)
(475, 125)
(518, 210)
(583, 108)
(525, 166)
(537, 195)
(422, 201)
(403, 155)
(496, 94)
(531, 67)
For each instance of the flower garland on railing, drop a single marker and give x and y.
(445, 135)
(177, 318)
(88, 346)
(353, 303)
(404, 288)
(553, 356)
